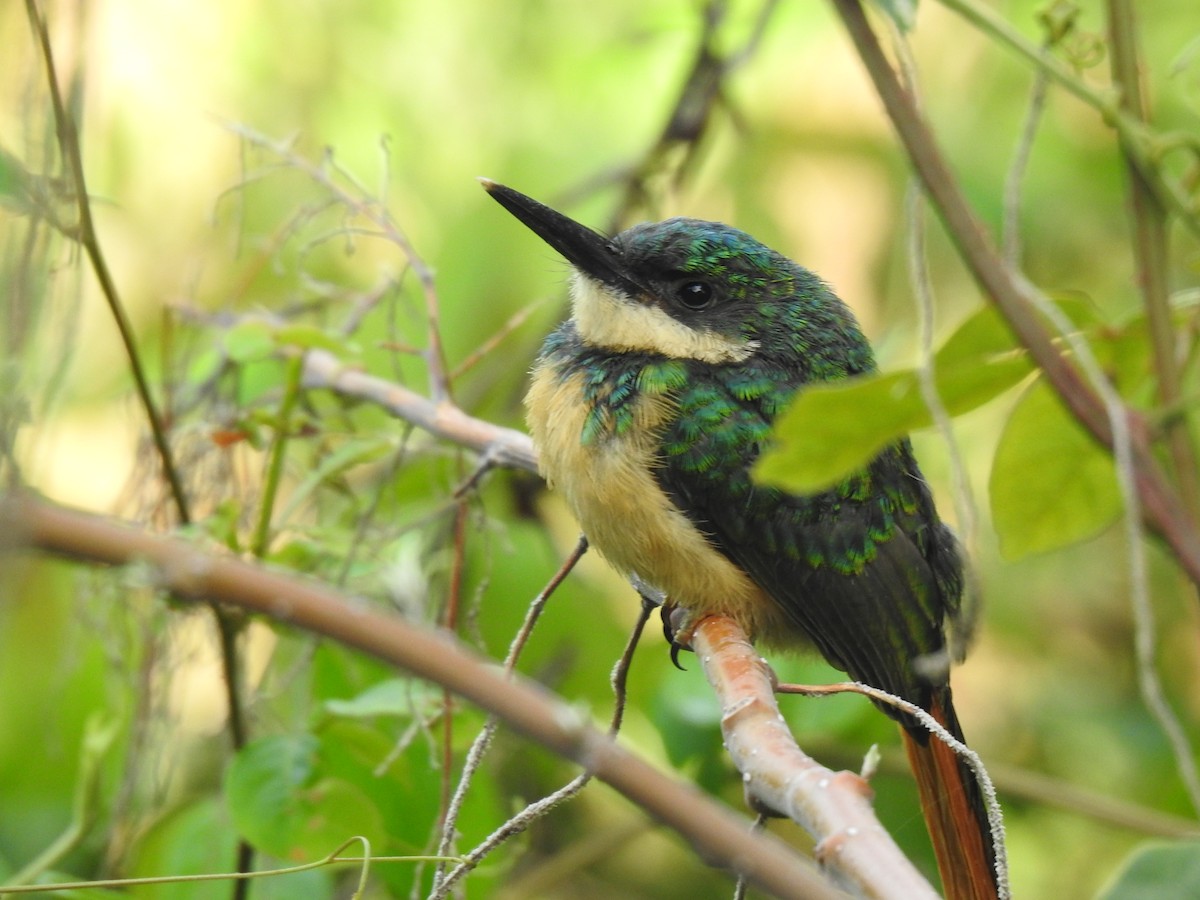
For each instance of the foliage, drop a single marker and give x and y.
(235, 250)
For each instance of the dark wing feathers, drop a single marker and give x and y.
(866, 570)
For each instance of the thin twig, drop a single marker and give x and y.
(505, 446)
(965, 753)
(521, 821)
(965, 618)
(89, 238)
(483, 740)
(688, 121)
(1150, 249)
(1140, 143)
(276, 455)
(375, 211)
(1010, 229)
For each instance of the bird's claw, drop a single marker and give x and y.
(677, 627)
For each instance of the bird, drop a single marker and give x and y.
(648, 407)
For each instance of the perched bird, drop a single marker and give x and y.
(649, 406)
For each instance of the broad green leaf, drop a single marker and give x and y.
(831, 430)
(1158, 870)
(1051, 484)
(282, 805)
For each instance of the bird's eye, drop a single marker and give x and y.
(695, 294)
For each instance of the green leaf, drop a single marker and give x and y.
(308, 336)
(831, 430)
(1051, 484)
(249, 341)
(1157, 870)
(192, 840)
(352, 453)
(393, 697)
(282, 804)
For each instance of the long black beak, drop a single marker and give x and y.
(589, 251)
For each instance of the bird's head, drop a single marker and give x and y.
(690, 289)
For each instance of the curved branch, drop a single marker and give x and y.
(718, 835)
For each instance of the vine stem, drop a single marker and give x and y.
(89, 239)
(86, 235)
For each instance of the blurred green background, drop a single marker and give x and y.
(204, 227)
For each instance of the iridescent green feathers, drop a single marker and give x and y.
(865, 569)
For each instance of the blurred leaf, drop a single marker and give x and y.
(303, 334)
(14, 181)
(1051, 484)
(282, 805)
(1156, 871)
(394, 697)
(354, 452)
(831, 430)
(250, 340)
(193, 840)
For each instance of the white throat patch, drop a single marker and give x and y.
(606, 319)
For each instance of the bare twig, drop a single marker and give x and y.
(89, 239)
(527, 816)
(965, 753)
(690, 115)
(1150, 247)
(718, 835)
(1141, 145)
(503, 446)
(374, 210)
(965, 618)
(487, 733)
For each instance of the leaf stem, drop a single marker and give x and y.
(291, 393)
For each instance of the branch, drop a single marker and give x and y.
(718, 835)
(89, 239)
(834, 807)
(499, 446)
(1150, 246)
(1016, 299)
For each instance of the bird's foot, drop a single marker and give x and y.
(678, 626)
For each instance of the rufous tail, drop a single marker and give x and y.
(954, 810)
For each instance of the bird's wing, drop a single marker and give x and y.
(866, 570)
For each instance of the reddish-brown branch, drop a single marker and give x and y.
(718, 835)
(1161, 508)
